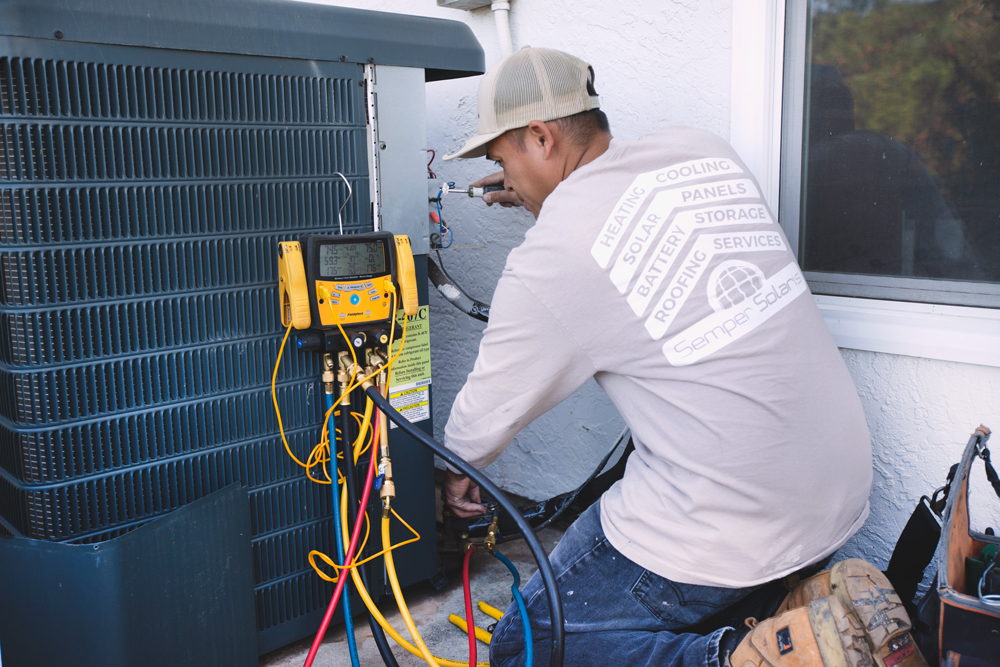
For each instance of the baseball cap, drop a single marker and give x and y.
(530, 84)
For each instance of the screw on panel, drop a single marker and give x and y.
(382, 145)
(343, 59)
(371, 61)
(58, 34)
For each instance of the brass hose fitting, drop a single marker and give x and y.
(492, 535)
(375, 360)
(328, 375)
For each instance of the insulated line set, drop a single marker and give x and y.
(342, 293)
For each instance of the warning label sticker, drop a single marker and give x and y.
(409, 386)
(413, 402)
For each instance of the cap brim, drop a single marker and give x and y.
(476, 146)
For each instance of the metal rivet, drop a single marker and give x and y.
(58, 34)
(343, 59)
(371, 61)
(382, 145)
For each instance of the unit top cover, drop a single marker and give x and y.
(281, 28)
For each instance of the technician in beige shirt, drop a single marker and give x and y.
(656, 268)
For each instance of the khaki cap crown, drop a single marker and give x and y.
(530, 84)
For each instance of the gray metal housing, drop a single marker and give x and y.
(276, 28)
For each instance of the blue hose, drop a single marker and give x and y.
(521, 609)
(352, 645)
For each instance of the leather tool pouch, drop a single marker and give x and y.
(953, 622)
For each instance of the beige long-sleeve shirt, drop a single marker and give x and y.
(658, 270)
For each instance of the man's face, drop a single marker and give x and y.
(526, 170)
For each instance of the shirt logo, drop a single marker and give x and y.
(664, 234)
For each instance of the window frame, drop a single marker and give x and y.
(937, 319)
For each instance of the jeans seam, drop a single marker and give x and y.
(600, 543)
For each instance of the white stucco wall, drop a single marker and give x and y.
(920, 413)
(662, 62)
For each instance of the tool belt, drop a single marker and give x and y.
(957, 620)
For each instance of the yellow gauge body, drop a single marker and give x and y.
(326, 280)
(350, 302)
(293, 289)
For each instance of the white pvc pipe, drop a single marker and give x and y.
(501, 16)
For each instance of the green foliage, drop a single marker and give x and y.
(926, 74)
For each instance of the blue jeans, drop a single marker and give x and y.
(616, 612)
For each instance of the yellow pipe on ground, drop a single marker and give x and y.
(492, 612)
(481, 635)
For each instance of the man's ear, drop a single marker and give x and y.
(539, 135)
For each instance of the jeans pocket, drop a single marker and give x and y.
(682, 605)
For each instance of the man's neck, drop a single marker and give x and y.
(597, 147)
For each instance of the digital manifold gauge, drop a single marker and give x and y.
(347, 280)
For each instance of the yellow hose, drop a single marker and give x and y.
(380, 619)
(390, 568)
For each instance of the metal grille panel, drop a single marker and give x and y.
(140, 208)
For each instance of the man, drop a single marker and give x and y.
(656, 268)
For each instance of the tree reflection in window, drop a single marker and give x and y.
(902, 168)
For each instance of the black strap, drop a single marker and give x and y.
(937, 502)
(914, 551)
(991, 473)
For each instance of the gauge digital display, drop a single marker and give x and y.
(347, 260)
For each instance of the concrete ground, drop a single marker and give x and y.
(490, 582)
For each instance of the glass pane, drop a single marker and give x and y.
(901, 153)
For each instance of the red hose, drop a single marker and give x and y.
(349, 557)
(470, 625)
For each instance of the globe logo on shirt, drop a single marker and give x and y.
(732, 282)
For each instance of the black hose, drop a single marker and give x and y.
(450, 290)
(544, 512)
(352, 513)
(544, 566)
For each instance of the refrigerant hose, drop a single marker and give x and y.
(544, 566)
(378, 634)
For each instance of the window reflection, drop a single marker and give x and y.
(902, 168)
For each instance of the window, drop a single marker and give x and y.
(890, 148)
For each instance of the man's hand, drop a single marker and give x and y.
(507, 198)
(462, 496)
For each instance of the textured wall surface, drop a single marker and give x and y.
(660, 63)
(920, 413)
